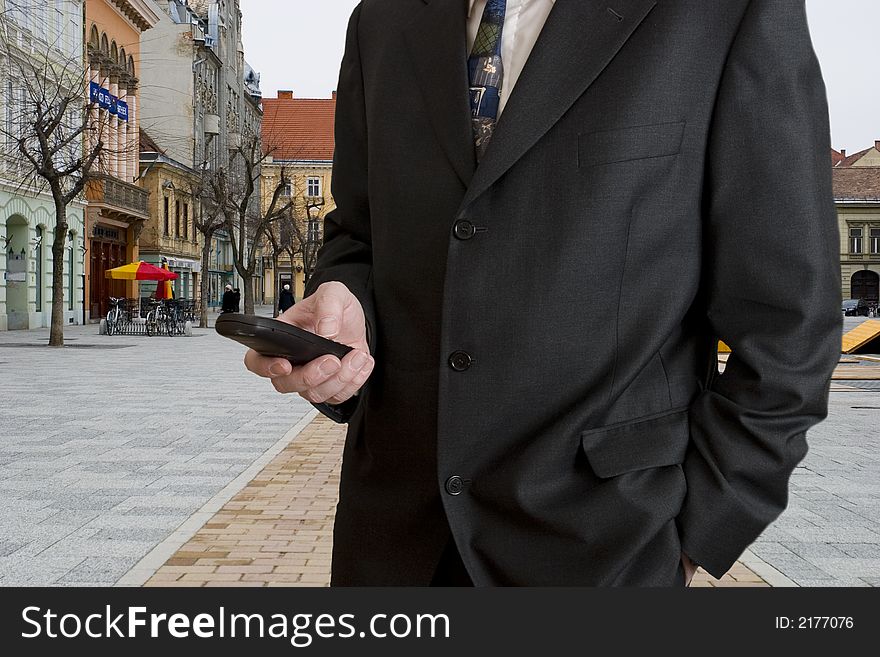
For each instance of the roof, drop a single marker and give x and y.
(849, 160)
(836, 157)
(147, 145)
(856, 183)
(299, 129)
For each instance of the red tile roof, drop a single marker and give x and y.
(849, 160)
(299, 128)
(147, 145)
(856, 183)
(836, 157)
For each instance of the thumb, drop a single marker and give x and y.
(330, 303)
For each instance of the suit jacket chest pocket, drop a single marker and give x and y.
(630, 143)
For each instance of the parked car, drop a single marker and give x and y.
(855, 307)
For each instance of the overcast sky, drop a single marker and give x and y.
(297, 44)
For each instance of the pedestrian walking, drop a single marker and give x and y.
(286, 299)
(228, 304)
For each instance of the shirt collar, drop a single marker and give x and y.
(471, 7)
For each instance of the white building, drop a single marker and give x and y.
(27, 215)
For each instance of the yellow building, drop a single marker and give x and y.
(298, 140)
(857, 196)
(171, 237)
(117, 207)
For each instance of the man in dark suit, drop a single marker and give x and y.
(536, 296)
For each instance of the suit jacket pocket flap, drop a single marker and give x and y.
(633, 143)
(644, 443)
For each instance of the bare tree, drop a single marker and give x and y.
(207, 219)
(278, 239)
(51, 135)
(236, 193)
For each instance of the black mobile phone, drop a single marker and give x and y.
(271, 337)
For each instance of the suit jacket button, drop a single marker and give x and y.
(464, 230)
(460, 361)
(454, 485)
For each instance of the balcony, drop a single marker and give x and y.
(118, 199)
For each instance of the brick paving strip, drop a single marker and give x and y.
(278, 530)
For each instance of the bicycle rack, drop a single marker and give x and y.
(132, 324)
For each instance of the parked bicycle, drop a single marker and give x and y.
(116, 317)
(155, 319)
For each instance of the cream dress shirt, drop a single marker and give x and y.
(523, 23)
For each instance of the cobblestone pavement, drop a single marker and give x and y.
(113, 463)
(108, 445)
(830, 533)
(278, 530)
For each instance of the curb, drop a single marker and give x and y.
(765, 571)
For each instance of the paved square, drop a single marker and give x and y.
(109, 444)
(132, 459)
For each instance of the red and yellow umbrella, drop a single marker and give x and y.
(164, 290)
(140, 271)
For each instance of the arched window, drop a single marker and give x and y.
(131, 64)
(94, 39)
(123, 60)
(105, 44)
(114, 52)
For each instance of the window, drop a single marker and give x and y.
(288, 189)
(314, 232)
(875, 241)
(855, 240)
(167, 216)
(313, 188)
(176, 218)
(186, 221)
(94, 39)
(38, 256)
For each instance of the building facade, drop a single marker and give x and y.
(857, 196)
(52, 30)
(200, 99)
(117, 206)
(170, 237)
(298, 138)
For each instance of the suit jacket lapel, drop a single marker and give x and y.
(437, 39)
(578, 41)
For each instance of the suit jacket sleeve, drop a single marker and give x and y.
(346, 255)
(772, 284)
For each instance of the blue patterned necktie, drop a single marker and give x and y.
(486, 73)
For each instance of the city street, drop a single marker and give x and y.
(129, 460)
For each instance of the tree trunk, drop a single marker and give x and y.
(56, 332)
(276, 285)
(205, 282)
(247, 281)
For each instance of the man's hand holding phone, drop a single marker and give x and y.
(332, 312)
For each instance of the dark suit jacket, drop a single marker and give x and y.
(545, 324)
